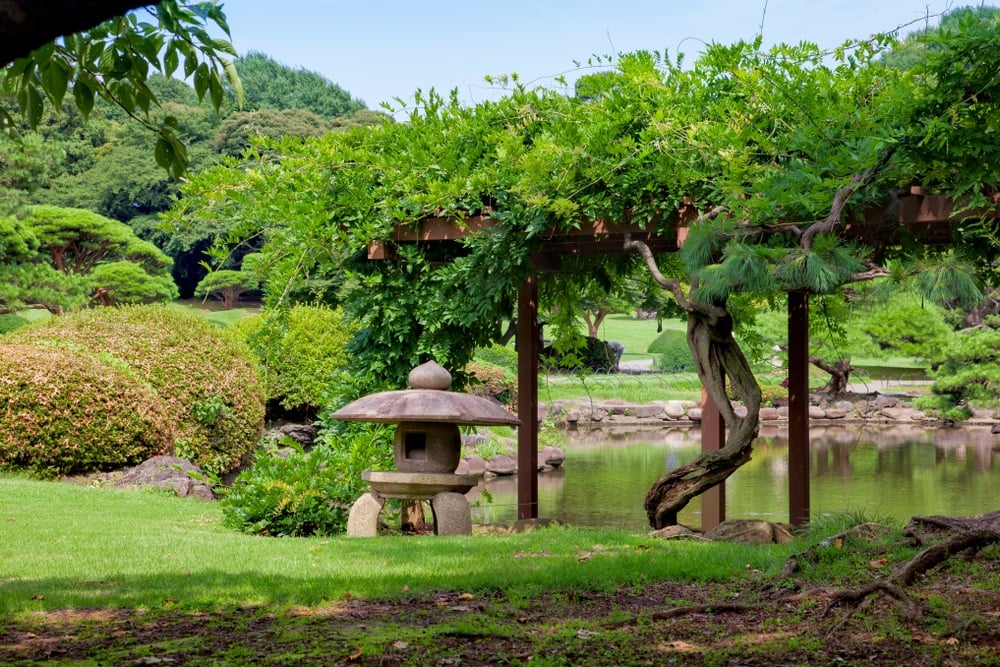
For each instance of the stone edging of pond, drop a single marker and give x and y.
(860, 408)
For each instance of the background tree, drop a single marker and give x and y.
(59, 258)
(269, 84)
(227, 285)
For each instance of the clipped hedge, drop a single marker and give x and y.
(63, 413)
(206, 384)
(299, 351)
(675, 354)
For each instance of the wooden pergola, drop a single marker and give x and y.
(928, 218)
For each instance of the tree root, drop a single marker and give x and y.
(794, 562)
(678, 612)
(965, 541)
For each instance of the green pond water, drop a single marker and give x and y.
(888, 471)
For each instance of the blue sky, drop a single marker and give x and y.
(381, 50)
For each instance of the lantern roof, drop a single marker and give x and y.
(427, 400)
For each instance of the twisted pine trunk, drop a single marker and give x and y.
(719, 359)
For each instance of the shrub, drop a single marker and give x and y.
(492, 382)
(63, 413)
(675, 355)
(596, 355)
(293, 492)
(299, 351)
(207, 385)
(497, 355)
(970, 372)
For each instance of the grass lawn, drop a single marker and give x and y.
(97, 576)
(70, 546)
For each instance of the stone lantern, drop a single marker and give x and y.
(426, 449)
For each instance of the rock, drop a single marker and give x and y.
(476, 465)
(304, 434)
(833, 413)
(362, 521)
(694, 414)
(502, 465)
(846, 406)
(740, 410)
(816, 412)
(648, 411)
(553, 456)
(750, 531)
(473, 439)
(598, 413)
(995, 429)
(572, 416)
(167, 472)
(769, 414)
(901, 414)
(883, 402)
(674, 410)
(673, 533)
(451, 514)
(463, 467)
(528, 525)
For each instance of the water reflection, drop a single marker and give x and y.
(891, 471)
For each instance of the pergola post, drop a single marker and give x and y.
(798, 408)
(713, 438)
(527, 399)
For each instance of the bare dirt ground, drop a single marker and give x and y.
(951, 616)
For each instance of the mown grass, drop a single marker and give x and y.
(213, 311)
(632, 388)
(66, 546)
(635, 335)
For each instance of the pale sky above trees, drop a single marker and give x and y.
(381, 50)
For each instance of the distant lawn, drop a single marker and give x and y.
(214, 312)
(635, 335)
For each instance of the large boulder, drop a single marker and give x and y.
(750, 531)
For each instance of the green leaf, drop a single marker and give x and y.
(55, 80)
(170, 60)
(233, 77)
(164, 152)
(83, 95)
(190, 63)
(36, 105)
(201, 80)
(215, 89)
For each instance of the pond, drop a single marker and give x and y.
(884, 471)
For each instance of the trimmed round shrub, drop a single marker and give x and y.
(63, 413)
(206, 384)
(299, 351)
(497, 355)
(675, 355)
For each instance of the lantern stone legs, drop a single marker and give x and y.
(446, 493)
